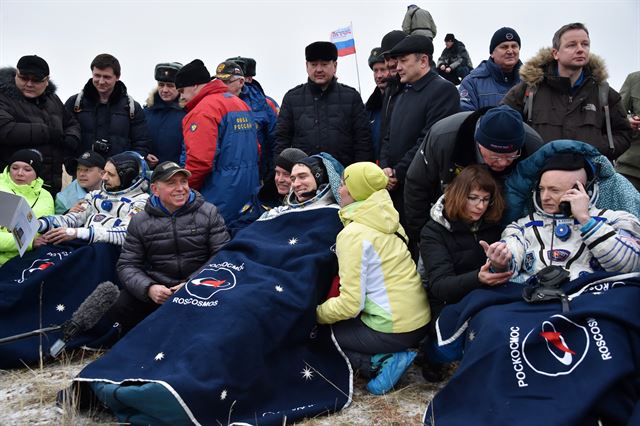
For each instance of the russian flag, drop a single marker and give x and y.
(343, 39)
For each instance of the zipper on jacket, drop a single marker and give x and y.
(175, 242)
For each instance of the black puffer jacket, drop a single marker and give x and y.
(448, 148)
(452, 256)
(333, 121)
(165, 249)
(41, 123)
(111, 121)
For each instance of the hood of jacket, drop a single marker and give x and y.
(375, 212)
(9, 88)
(26, 191)
(542, 64)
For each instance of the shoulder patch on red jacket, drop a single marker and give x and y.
(193, 127)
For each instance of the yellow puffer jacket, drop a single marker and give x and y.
(38, 198)
(378, 278)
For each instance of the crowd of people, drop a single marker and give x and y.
(421, 197)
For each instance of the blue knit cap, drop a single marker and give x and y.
(500, 130)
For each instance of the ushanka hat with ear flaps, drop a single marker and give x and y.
(363, 179)
(167, 71)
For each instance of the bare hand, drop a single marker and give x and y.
(159, 293)
(39, 242)
(176, 287)
(60, 235)
(492, 278)
(634, 121)
(579, 200)
(448, 70)
(442, 67)
(152, 160)
(393, 181)
(79, 207)
(497, 253)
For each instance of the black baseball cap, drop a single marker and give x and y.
(91, 159)
(165, 170)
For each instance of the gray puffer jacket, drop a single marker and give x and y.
(164, 248)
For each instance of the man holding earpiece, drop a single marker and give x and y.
(566, 228)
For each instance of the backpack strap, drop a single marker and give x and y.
(132, 107)
(76, 106)
(603, 96)
(527, 111)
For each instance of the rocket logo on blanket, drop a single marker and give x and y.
(556, 347)
(37, 265)
(210, 282)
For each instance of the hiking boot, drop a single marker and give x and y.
(392, 368)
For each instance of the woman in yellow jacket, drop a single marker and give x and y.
(382, 309)
(20, 177)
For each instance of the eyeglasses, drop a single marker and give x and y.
(31, 79)
(505, 157)
(478, 200)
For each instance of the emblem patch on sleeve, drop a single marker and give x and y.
(193, 127)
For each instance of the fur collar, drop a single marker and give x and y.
(9, 88)
(536, 68)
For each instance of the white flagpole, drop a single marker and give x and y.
(356, 57)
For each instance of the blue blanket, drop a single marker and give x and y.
(64, 276)
(239, 341)
(532, 364)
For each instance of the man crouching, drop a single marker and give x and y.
(173, 237)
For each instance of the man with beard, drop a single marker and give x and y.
(105, 213)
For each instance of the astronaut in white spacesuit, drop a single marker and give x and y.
(105, 213)
(566, 228)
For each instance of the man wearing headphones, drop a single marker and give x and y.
(106, 212)
(566, 228)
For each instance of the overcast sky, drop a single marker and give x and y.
(68, 34)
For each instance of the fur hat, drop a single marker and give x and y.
(167, 71)
(500, 130)
(375, 57)
(502, 35)
(32, 157)
(321, 51)
(288, 157)
(363, 179)
(248, 65)
(191, 74)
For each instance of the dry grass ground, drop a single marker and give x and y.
(28, 397)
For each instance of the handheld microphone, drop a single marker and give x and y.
(87, 315)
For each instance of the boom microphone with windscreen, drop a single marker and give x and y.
(87, 315)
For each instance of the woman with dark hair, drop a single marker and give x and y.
(469, 212)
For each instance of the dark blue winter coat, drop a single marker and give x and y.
(486, 85)
(111, 121)
(265, 120)
(164, 120)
